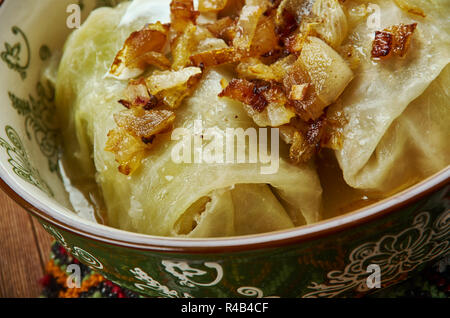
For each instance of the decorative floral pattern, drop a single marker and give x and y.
(76, 251)
(154, 285)
(12, 55)
(87, 258)
(40, 119)
(56, 234)
(184, 273)
(249, 291)
(18, 159)
(396, 255)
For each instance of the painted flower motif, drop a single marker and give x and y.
(77, 252)
(12, 55)
(20, 163)
(254, 292)
(186, 273)
(87, 258)
(395, 255)
(56, 235)
(147, 282)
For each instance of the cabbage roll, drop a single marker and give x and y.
(387, 143)
(416, 144)
(163, 197)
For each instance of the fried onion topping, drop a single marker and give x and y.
(290, 61)
(137, 128)
(393, 41)
(128, 62)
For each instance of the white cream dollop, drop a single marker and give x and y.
(152, 10)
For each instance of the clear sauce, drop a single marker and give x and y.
(84, 194)
(338, 197)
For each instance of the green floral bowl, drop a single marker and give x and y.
(332, 258)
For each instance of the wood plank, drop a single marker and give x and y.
(20, 262)
(44, 241)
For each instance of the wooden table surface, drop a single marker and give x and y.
(24, 251)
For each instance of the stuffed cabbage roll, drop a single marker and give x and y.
(396, 131)
(416, 144)
(163, 197)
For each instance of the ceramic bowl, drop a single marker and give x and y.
(331, 258)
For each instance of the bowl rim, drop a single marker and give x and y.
(105, 234)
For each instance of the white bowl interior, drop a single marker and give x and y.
(31, 31)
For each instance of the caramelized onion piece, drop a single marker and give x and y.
(232, 9)
(298, 92)
(195, 40)
(224, 28)
(214, 57)
(246, 92)
(137, 95)
(306, 141)
(247, 24)
(333, 26)
(288, 16)
(128, 61)
(183, 46)
(303, 147)
(265, 38)
(211, 5)
(133, 138)
(333, 136)
(182, 14)
(264, 101)
(160, 81)
(171, 87)
(328, 71)
(253, 35)
(297, 8)
(173, 97)
(274, 115)
(392, 41)
(128, 151)
(402, 37)
(144, 124)
(382, 45)
(211, 44)
(151, 58)
(310, 106)
(253, 68)
(283, 65)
